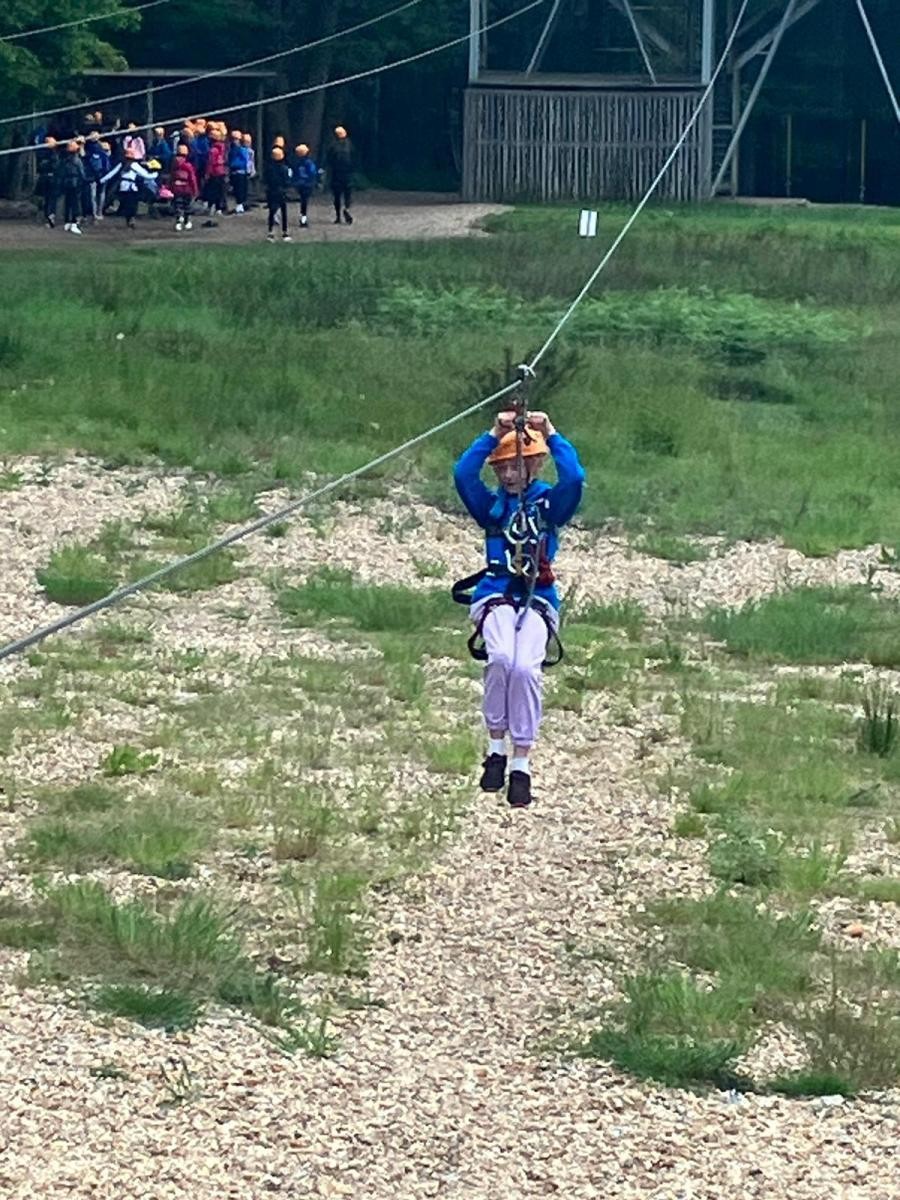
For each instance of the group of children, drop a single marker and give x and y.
(200, 161)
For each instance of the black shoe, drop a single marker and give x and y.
(493, 776)
(336, 221)
(347, 216)
(518, 793)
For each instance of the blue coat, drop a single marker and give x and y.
(161, 151)
(306, 174)
(238, 159)
(494, 509)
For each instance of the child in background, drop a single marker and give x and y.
(131, 177)
(239, 170)
(69, 179)
(278, 180)
(216, 172)
(247, 139)
(306, 177)
(96, 165)
(45, 184)
(185, 188)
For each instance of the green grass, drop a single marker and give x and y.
(671, 1029)
(153, 839)
(331, 594)
(812, 625)
(156, 1008)
(74, 575)
(735, 375)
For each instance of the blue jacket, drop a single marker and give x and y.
(96, 162)
(238, 159)
(161, 151)
(306, 174)
(201, 149)
(493, 510)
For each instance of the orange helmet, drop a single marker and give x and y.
(277, 153)
(534, 444)
(182, 151)
(340, 132)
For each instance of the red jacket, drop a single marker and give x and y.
(217, 163)
(184, 179)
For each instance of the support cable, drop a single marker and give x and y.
(147, 581)
(321, 87)
(623, 233)
(237, 535)
(118, 12)
(877, 52)
(253, 62)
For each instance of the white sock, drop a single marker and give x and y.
(520, 764)
(497, 746)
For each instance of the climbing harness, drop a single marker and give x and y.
(516, 551)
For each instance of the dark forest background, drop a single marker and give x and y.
(407, 123)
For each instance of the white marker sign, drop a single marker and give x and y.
(587, 226)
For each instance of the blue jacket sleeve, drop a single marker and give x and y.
(477, 498)
(565, 496)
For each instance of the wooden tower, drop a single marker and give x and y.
(584, 99)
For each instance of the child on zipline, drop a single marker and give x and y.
(515, 604)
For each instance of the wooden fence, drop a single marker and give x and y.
(528, 144)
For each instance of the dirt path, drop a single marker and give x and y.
(441, 1089)
(378, 216)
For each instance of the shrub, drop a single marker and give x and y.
(878, 725)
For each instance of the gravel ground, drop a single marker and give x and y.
(379, 216)
(443, 1091)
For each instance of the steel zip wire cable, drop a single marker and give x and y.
(877, 52)
(321, 87)
(253, 62)
(27, 33)
(139, 585)
(623, 233)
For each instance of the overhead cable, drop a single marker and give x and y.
(244, 66)
(623, 232)
(107, 16)
(320, 87)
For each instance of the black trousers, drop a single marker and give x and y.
(214, 192)
(72, 204)
(339, 191)
(277, 204)
(128, 204)
(239, 185)
(183, 207)
(50, 201)
(304, 202)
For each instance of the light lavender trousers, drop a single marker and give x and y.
(513, 677)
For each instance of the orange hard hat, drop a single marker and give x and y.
(277, 153)
(302, 148)
(533, 444)
(183, 151)
(340, 132)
